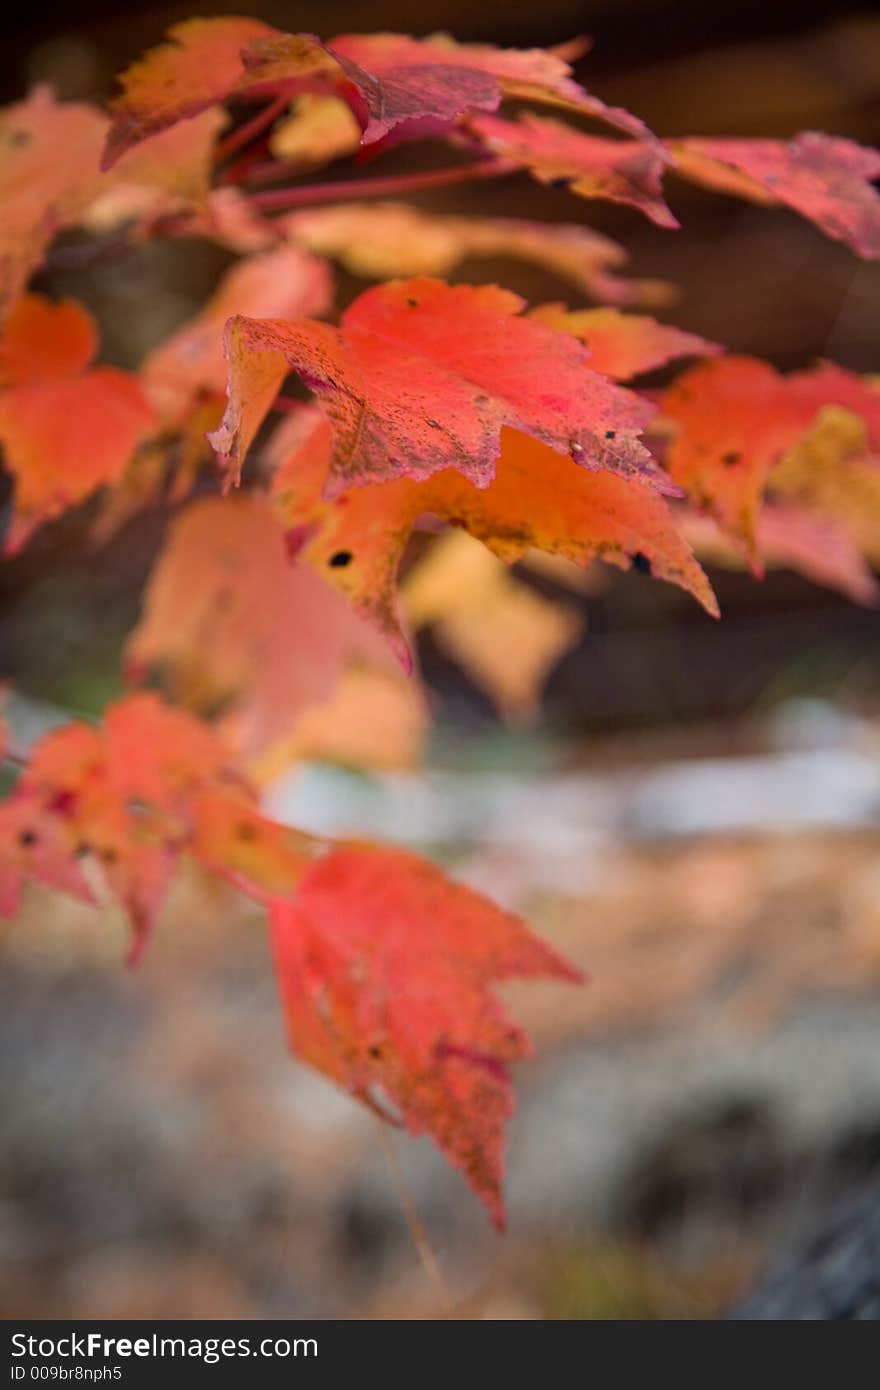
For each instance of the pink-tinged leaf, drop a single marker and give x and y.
(732, 422)
(386, 969)
(533, 74)
(623, 171)
(425, 97)
(825, 178)
(229, 623)
(422, 376)
(829, 384)
(383, 241)
(795, 538)
(32, 848)
(397, 86)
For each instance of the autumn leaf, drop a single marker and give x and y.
(825, 178)
(50, 178)
(438, 79)
(48, 161)
(393, 84)
(505, 634)
(623, 171)
(834, 470)
(399, 87)
(196, 69)
(732, 423)
(318, 129)
(534, 74)
(66, 428)
(170, 172)
(385, 968)
(383, 240)
(538, 499)
(422, 376)
(132, 796)
(230, 624)
(375, 720)
(47, 854)
(624, 345)
(228, 217)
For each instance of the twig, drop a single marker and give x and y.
(244, 134)
(413, 1220)
(281, 199)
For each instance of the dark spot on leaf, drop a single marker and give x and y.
(374, 1051)
(611, 434)
(245, 831)
(62, 802)
(340, 559)
(109, 856)
(641, 563)
(730, 458)
(413, 303)
(560, 182)
(27, 838)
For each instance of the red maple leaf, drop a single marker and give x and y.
(385, 967)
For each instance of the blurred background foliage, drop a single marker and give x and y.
(762, 283)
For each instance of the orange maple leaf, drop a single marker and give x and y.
(736, 418)
(65, 427)
(538, 499)
(133, 795)
(48, 163)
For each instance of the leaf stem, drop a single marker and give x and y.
(282, 199)
(413, 1220)
(244, 134)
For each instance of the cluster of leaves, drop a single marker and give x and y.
(276, 622)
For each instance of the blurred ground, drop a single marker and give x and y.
(711, 1095)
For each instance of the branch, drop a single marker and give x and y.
(244, 134)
